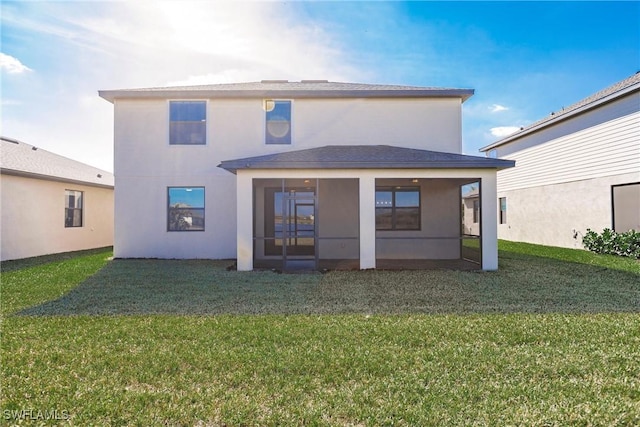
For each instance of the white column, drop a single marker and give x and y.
(489, 218)
(367, 222)
(244, 215)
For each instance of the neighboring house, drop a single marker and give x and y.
(310, 174)
(578, 168)
(51, 204)
(471, 211)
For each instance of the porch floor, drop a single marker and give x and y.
(381, 264)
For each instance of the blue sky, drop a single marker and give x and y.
(524, 59)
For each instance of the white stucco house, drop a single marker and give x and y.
(309, 174)
(578, 168)
(50, 203)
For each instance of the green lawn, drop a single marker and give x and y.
(553, 338)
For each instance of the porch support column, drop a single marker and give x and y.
(244, 216)
(367, 222)
(489, 217)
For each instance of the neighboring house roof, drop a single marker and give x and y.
(364, 157)
(611, 93)
(18, 158)
(473, 193)
(286, 89)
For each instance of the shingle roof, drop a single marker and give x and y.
(623, 87)
(283, 88)
(18, 158)
(364, 157)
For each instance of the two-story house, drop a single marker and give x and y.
(310, 174)
(578, 168)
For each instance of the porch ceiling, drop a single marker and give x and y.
(365, 157)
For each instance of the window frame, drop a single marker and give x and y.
(171, 209)
(281, 140)
(67, 209)
(476, 211)
(170, 121)
(502, 213)
(394, 208)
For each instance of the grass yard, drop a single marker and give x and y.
(553, 338)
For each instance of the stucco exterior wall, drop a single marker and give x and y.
(559, 214)
(561, 184)
(339, 216)
(33, 218)
(146, 164)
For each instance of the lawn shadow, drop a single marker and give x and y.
(524, 283)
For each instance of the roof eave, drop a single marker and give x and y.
(112, 95)
(33, 175)
(498, 164)
(561, 117)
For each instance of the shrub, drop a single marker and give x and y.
(612, 243)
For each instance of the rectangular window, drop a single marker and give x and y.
(73, 208)
(625, 203)
(398, 208)
(185, 209)
(476, 211)
(503, 210)
(187, 122)
(278, 122)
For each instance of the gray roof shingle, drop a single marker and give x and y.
(364, 157)
(18, 158)
(283, 88)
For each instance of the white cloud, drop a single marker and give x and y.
(503, 131)
(496, 108)
(12, 65)
(105, 45)
(213, 42)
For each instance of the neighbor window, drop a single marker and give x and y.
(398, 208)
(73, 208)
(186, 209)
(503, 210)
(188, 122)
(278, 122)
(476, 211)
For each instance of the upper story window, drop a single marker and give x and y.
(185, 209)
(278, 122)
(73, 201)
(398, 208)
(188, 122)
